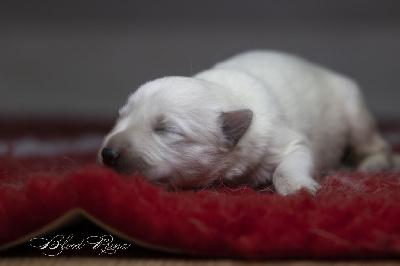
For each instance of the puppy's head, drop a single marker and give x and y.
(175, 132)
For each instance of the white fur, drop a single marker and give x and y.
(304, 116)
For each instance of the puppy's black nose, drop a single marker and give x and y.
(110, 156)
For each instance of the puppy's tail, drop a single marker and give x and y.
(396, 162)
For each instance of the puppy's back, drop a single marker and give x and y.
(309, 95)
(303, 89)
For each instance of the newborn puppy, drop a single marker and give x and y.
(256, 118)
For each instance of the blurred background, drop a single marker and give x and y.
(83, 58)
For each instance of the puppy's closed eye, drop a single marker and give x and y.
(165, 128)
(162, 127)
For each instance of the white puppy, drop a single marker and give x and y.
(256, 118)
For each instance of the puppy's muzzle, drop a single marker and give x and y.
(110, 157)
(122, 161)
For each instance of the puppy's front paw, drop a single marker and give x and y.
(286, 185)
(312, 187)
(294, 172)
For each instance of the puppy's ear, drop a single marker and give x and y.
(234, 125)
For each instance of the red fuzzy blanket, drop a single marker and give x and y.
(46, 180)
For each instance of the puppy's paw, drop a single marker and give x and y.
(312, 188)
(376, 163)
(287, 185)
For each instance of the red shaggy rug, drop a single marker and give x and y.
(48, 178)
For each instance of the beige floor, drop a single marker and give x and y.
(32, 261)
(24, 255)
